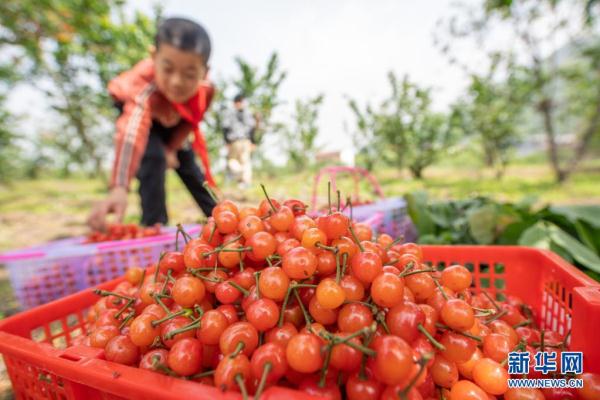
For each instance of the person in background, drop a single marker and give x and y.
(162, 100)
(239, 127)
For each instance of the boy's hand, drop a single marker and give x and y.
(172, 160)
(115, 203)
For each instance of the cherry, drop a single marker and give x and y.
(457, 314)
(273, 283)
(393, 360)
(363, 389)
(188, 291)
(387, 290)
(232, 371)
(366, 266)
(443, 372)
(330, 294)
(122, 350)
(404, 319)
(239, 334)
(303, 353)
(299, 263)
(490, 376)
(263, 314)
(263, 245)
(281, 335)
(212, 325)
(456, 277)
(467, 390)
(185, 357)
(353, 317)
(155, 360)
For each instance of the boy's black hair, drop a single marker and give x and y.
(239, 97)
(184, 34)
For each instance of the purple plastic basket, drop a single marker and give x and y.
(47, 272)
(394, 221)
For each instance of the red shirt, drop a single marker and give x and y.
(143, 102)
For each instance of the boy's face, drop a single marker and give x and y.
(178, 72)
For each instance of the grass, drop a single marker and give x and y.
(36, 211)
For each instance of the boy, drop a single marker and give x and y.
(239, 126)
(162, 100)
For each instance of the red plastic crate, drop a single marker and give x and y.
(41, 367)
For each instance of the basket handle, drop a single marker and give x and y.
(356, 173)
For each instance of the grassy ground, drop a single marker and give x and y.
(33, 212)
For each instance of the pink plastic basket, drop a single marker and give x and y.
(394, 219)
(44, 273)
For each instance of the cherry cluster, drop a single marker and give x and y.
(270, 296)
(122, 232)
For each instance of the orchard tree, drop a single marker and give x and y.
(261, 89)
(300, 137)
(491, 114)
(70, 49)
(403, 130)
(553, 43)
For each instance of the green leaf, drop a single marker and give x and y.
(416, 203)
(514, 231)
(536, 236)
(586, 236)
(587, 213)
(580, 253)
(482, 223)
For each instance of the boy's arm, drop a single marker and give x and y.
(131, 138)
(130, 142)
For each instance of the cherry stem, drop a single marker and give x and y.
(157, 270)
(284, 305)
(238, 349)
(431, 339)
(263, 379)
(142, 280)
(202, 374)
(422, 365)
(211, 192)
(363, 349)
(441, 290)
(380, 317)
(325, 368)
(268, 198)
(125, 307)
(156, 298)
(344, 263)
(239, 379)
(186, 236)
(524, 323)
(333, 249)
(192, 270)
(360, 246)
(194, 325)
(519, 347)
(212, 232)
(496, 306)
(205, 278)
(408, 272)
(306, 316)
(329, 197)
(304, 285)
(126, 320)
(542, 337)
(338, 269)
(363, 363)
(349, 204)
(169, 317)
(395, 242)
(497, 316)
(465, 334)
(339, 200)
(105, 293)
(256, 277)
(238, 287)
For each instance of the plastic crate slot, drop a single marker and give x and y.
(485, 283)
(469, 266)
(70, 357)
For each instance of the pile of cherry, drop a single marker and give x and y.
(122, 232)
(270, 296)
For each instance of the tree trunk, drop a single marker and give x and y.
(416, 171)
(545, 107)
(584, 140)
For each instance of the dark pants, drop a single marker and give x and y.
(151, 175)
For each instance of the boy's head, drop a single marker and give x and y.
(180, 58)
(238, 101)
